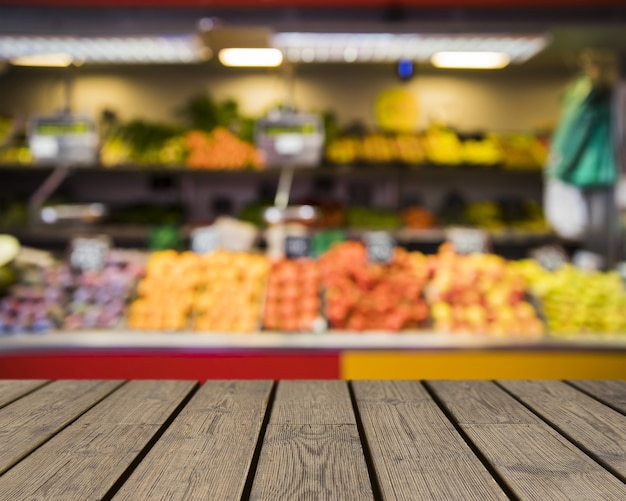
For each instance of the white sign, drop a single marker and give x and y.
(468, 240)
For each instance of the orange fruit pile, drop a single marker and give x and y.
(230, 293)
(165, 294)
(220, 150)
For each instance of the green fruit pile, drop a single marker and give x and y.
(578, 302)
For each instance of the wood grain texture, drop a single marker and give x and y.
(33, 419)
(483, 403)
(598, 428)
(612, 392)
(534, 460)
(416, 451)
(312, 402)
(207, 451)
(312, 449)
(85, 459)
(12, 389)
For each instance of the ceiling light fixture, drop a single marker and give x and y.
(478, 60)
(250, 58)
(52, 60)
(140, 49)
(395, 47)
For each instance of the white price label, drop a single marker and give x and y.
(89, 253)
(205, 240)
(550, 257)
(380, 246)
(468, 240)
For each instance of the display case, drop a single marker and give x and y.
(472, 155)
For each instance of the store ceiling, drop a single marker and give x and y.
(570, 30)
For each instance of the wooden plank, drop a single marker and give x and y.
(312, 402)
(12, 389)
(30, 421)
(416, 452)
(207, 451)
(85, 460)
(594, 426)
(312, 448)
(611, 392)
(534, 460)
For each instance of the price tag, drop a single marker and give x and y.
(297, 246)
(89, 253)
(588, 261)
(205, 240)
(550, 257)
(468, 240)
(380, 246)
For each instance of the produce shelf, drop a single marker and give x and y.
(330, 169)
(333, 340)
(123, 233)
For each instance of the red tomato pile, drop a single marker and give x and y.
(361, 295)
(292, 301)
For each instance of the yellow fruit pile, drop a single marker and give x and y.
(576, 301)
(377, 148)
(165, 295)
(230, 294)
(523, 151)
(220, 150)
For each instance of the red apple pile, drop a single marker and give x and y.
(292, 301)
(480, 294)
(362, 295)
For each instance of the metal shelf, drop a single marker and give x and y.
(333, 340)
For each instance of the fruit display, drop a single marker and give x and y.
(409, 149)
(483, 151)
(229, 292)
(137, 142)
(377, 148)
(443, 146)
(292, 298)
(523, 151)
(480, 294)
(364, 217)
(49, 294)
(99, 298)
(205, 141)
(578, 302)
(362, 295)
(374, 148)
(440, 145)
(166, 293)
(418, 218)
(505, 214)
(220, 150)
(343, 150)
(36, 302)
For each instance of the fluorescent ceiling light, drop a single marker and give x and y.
(251, 57)
(470, 60)
(142, 49)
(394, 47)
(52, 60)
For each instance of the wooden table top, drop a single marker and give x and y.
(313, 440)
